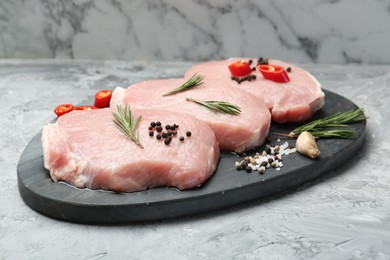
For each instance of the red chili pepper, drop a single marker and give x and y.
(240, 68)
(102, 98)
(63, 109)
(84, 107)
(274, 72)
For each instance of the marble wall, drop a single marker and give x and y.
(316, 31)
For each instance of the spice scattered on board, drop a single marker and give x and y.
(272, 156)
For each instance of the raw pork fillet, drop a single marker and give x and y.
(233, 132)
(294, 101)
(85, 149)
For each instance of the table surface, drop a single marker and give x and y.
(343, 215)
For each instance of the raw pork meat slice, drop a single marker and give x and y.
(85, 149)
(294, 101)
(233, 132)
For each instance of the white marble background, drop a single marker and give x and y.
(316, 31)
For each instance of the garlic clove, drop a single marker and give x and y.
(306, 145)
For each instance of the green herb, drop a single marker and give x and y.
(335, 133)
(219, 106)
(323, 127)
(125, 123)
(194, 81)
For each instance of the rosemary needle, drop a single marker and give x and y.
(194, 81)
(218, 106)
(125, 123)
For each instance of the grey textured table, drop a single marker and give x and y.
(344, 215)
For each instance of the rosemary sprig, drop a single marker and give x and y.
(125, 123)
(194, 81)
(322, 127)
(218, 106)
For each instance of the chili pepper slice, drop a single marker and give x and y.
(240, 68)
(274, 72)
(63, 109)
(84, 107)
(103, 98)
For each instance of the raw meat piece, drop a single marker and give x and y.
(294, 101)
(233, 132)
(85, 149)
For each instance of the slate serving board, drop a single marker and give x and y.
(225, 188)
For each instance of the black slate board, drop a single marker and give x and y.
(226, 188)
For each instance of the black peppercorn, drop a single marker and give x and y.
(288, 69)
(188, 133)
(268, 150)
(164, 135)
(181, 138)
(173, 127)
(159, 128)
(158, 136)
(151, 133)
(244, 164)
(158, 123)
(167, 127)
(153, 124)
(174, 132)
(150, 127)
(167, 141)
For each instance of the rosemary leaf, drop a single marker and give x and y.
(194, 81)
(125, 124)
(218, 106)
(335, 133)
